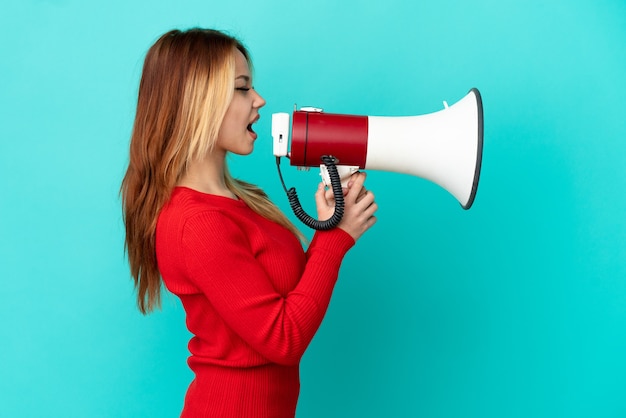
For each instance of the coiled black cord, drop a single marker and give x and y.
(335, 181)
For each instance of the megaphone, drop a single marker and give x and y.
(444, 147)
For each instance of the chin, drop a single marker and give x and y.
(243, 151)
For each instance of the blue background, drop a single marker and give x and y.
(515, 308)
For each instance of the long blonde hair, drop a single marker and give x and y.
(186, 87)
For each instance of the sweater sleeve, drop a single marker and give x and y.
(220, 263)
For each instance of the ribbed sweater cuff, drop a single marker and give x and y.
(335, 241)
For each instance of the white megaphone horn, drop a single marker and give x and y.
(444, 147)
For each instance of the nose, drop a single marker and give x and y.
(259, 101)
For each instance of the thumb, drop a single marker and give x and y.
(320, 198)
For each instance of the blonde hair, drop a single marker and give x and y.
(186, 87)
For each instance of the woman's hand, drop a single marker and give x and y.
(359, 207)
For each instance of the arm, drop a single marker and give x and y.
(220, 262)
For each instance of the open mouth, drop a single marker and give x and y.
(249, 127)
(252, 133)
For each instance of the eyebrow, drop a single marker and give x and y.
(244, 77)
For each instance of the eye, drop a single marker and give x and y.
(244, 89)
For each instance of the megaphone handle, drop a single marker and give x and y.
(334, 220)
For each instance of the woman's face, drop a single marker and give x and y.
(236, 134)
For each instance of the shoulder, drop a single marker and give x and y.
(189, 211)
(193, 218)
(187, 205)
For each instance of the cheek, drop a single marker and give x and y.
(235, 120)
(229, 124)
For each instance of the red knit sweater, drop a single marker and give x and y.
(253, 300)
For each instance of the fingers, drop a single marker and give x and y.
(330, 194)
(358, 187)
(367, 207)
(362, 193)
(360, 208)
(365, 200)
(355, 186)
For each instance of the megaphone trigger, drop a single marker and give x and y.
(344, 171)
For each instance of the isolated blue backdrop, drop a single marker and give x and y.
(516, 308)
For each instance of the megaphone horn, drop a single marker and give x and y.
(444, 147)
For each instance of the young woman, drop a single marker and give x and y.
(253, 298)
